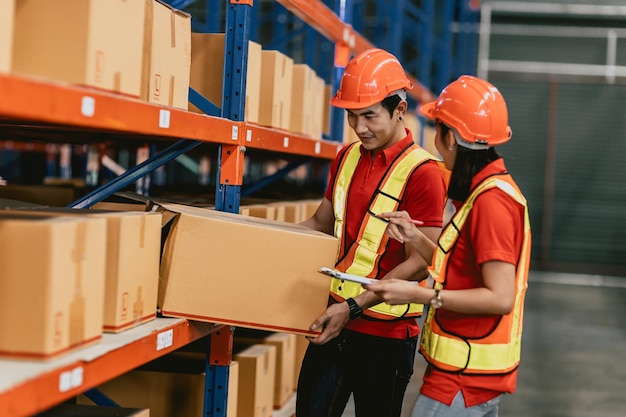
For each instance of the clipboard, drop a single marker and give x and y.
(345, 277)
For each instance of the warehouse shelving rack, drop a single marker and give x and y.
(32, 109)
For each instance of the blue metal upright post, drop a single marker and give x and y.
(238, 17)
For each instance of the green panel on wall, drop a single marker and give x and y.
(584, 217)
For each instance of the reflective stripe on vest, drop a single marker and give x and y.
(362, 257)
(499, 351)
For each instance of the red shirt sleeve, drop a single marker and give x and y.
(497, 228)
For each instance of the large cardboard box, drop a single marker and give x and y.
(257, 367)
(243, 271)
(98, 43)
(7, 11)
(276, 80)
(171, 386)
(51, 284)
(133, 247)
(207, 72)
(302, 100)
(167, 59)
(78, 410)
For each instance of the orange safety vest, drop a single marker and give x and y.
(499, 351)
(363, 255)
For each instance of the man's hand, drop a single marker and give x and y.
(332, 322)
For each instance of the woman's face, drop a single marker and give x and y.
(443, 143)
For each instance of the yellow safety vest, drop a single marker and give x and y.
(362, 257)
(499, 351)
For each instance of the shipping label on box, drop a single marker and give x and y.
(7, 12)
(51, 284)
(207, 72)
(167, 59)
(98, 43)
(243, 271)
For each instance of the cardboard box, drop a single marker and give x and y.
(326, 110)
(7, 11)
(317, 108)
(171, 386)
(285, 344)
(207, 72)
(292, 211)
(276, 80)
(51, 284)
(309, 207)
(167, 59)
(243, 271)
(78, 410)
(132, 270)
(257, 365)
(262, 211)
(302, 100)
(133, 247)
(97, 43)
(44, 195)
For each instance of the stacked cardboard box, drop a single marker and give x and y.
(139, 48)
(52, 284)
(167, 59)
(257, 376)
(285, 344)
(207, 72)
(276, 85)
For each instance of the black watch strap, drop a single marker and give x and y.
(355, 310)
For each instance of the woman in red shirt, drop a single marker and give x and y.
(472, 333)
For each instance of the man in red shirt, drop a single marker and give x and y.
(366, 348)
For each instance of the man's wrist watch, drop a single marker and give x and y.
(436, 301)
(355, 310)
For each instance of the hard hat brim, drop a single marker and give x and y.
(429, 110)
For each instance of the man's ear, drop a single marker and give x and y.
(402, 107)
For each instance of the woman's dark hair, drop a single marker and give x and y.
(468, 162)
(390, 103)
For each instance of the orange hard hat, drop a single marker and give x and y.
(475, 109)
(369, 77)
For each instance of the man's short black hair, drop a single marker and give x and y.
(390, 103)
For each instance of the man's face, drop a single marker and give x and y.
(373, 125)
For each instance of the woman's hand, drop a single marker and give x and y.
(401, 227)
(398, 291)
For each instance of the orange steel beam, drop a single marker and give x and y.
(43, 391)
(325, 21)
(62, 104)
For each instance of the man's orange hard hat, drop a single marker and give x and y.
(368, 78)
